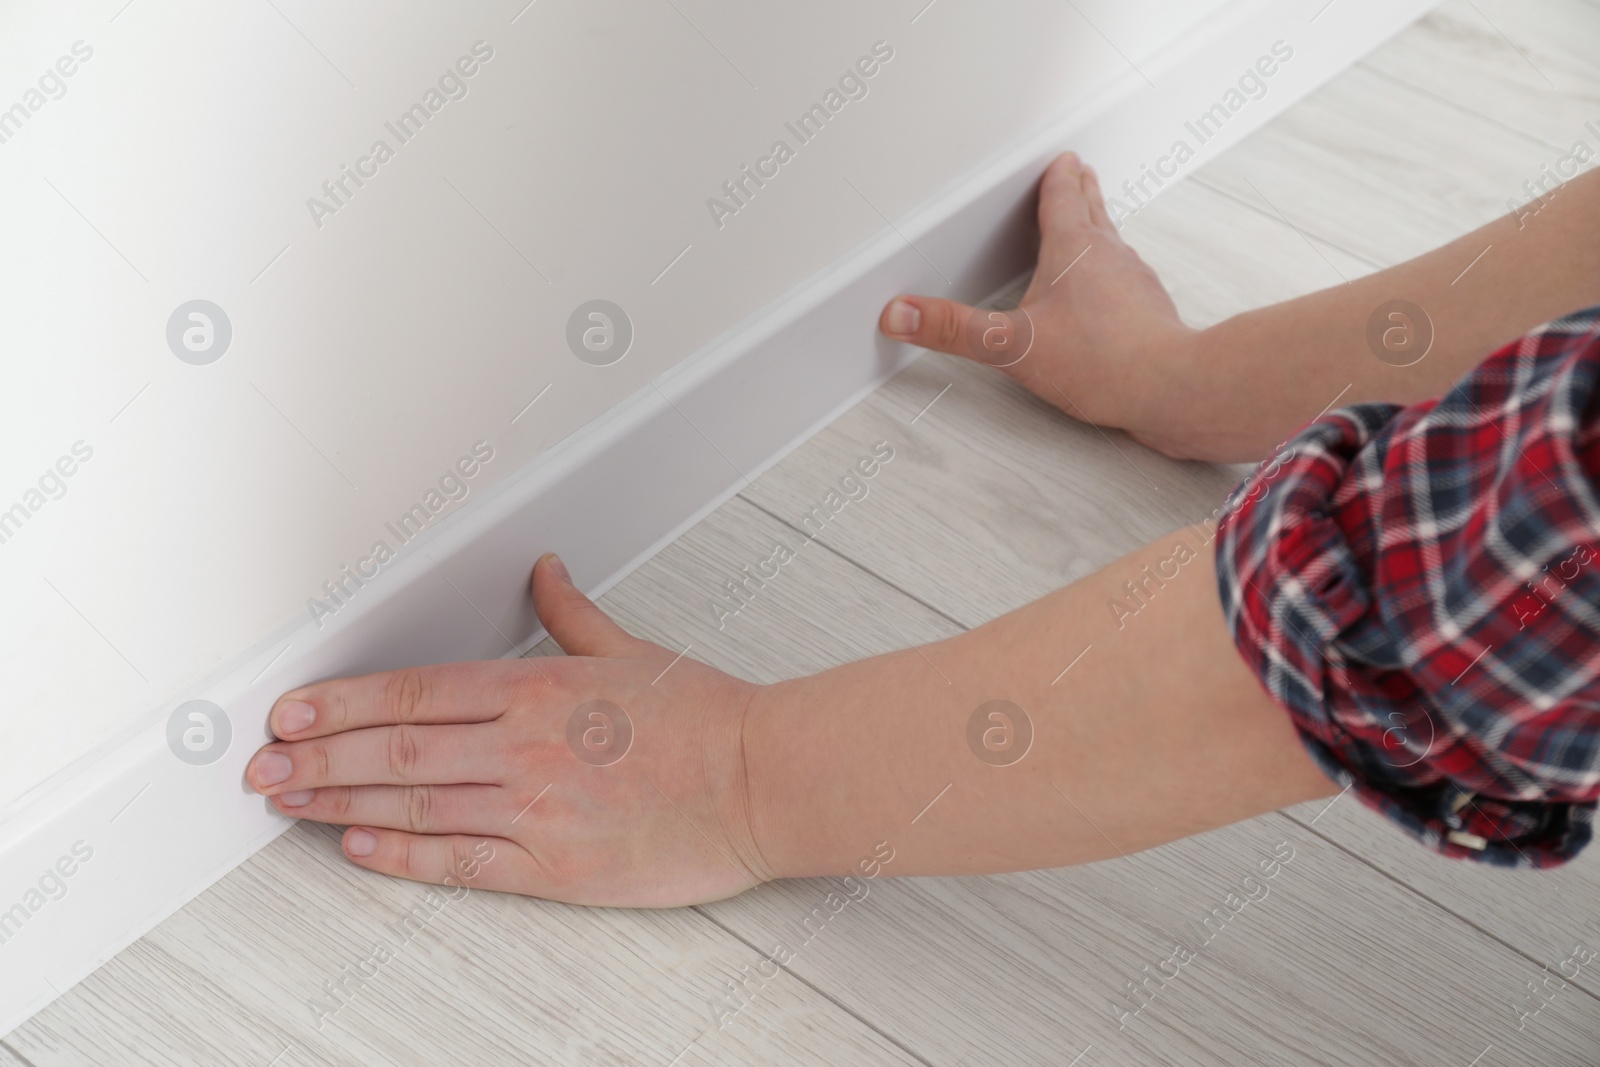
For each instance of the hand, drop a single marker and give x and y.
(427, 765)
(1108, 346)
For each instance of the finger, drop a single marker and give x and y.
(1095, 199)
(381, 755)
(929, 322)
(443, 693)
(1062, 206)
(575, 622)
(459, 861)
(1068, 229)
(417, 809)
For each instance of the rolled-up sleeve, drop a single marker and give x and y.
(1419, 588)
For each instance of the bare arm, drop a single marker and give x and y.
(1157, 732)
(1110, 347)
(474, 773)
(1295, 356)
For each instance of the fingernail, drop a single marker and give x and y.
(296, 798)
(904, 317)
(272, 768)
(361, 843)
(294, 716)
(560, 568)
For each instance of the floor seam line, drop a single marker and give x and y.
(1200, 179)
(824, 994)
(856, 563)
(6, 1044)
(1497, 939)
(1474, 112)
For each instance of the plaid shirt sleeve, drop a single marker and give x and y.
(1420, 588)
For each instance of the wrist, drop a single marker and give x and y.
(768, 804)
(1142, 383)
(820, 792)
(1165, 391)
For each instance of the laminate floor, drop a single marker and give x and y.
(1366, 951)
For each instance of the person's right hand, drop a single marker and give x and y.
(1108, 345)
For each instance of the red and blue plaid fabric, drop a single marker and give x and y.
(1420, 588)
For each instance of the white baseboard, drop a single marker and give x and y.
(158, 831)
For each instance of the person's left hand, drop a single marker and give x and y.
(425, 765)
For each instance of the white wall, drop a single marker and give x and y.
(431, 308)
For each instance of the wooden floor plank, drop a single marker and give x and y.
(1220, 256)
(1529, 66)
(1376, 167)
(8, 1058)
(1545, 914)
(817, 612)
(489, 978)
(1333, 964)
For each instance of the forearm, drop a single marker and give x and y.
(1157, 731)
(1296, 357)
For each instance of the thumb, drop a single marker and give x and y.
(929, 322)
(991, 337)
(575, 622)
